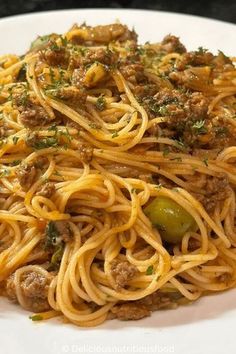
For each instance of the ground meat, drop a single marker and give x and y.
(165, 182)
(146, 177)
(26, 174)
(193, 244)
(225, 278)
(122, 272)
(55, 56)
(101, 55)
(196, 58)
(10, 288)
(130, 312)
(85, 152)
(133, 73)
(216, 189)
(159, 300)
(32, 115)
(146, 90)
(78, 77)
(138, 309)
(197, 105)
(63, 228)
(34, 287)
(172, 44)
(47, 190)
(41, 162)
(180, 106)
(194, 78)
(70, 123)
(221, 61)
(31, 139)
(183, 110)
(203, 58)
(71, 94)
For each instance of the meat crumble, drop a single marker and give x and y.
(122, 272)
(217, 189)
(47, 190)
(26, 174)
(136, 310)
(34, 288)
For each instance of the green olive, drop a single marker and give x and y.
(170, 218)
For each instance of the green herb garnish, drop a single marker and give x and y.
(149, 270)
(100, 103)
(201, 50)
(15, 162)
(51, 235)
(198, 126)
(57, 256)
(115, 134)
(36, 318)
(46, 143)
(15, 139)
(205, 161)
(166, 151)
(4, 173)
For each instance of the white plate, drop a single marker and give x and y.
(209, 325)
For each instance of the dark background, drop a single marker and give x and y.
(223, 10)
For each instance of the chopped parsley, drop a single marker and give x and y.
(100, 103)
(51, 141)
(221, 132)
(166, 151)
(199, 127)
(149, 270)
(54, 47)
(140, 50)
(52, 75)
(4, 173)
(201, 50)
(15, 162)
(57, 173)
(15, 139)
(36, 318)
(180, 144)
(94, 125)
(205, 161)
(22, 73)
(156, 108)
(115, 135)
(64, 41)
(178, 159)
(57, 256)
(53, 128)
(163, 110)
(52, 235)
(66, 134)
(46, 143)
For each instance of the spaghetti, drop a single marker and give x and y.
(117, 194)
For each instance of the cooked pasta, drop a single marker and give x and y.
(117, 162)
